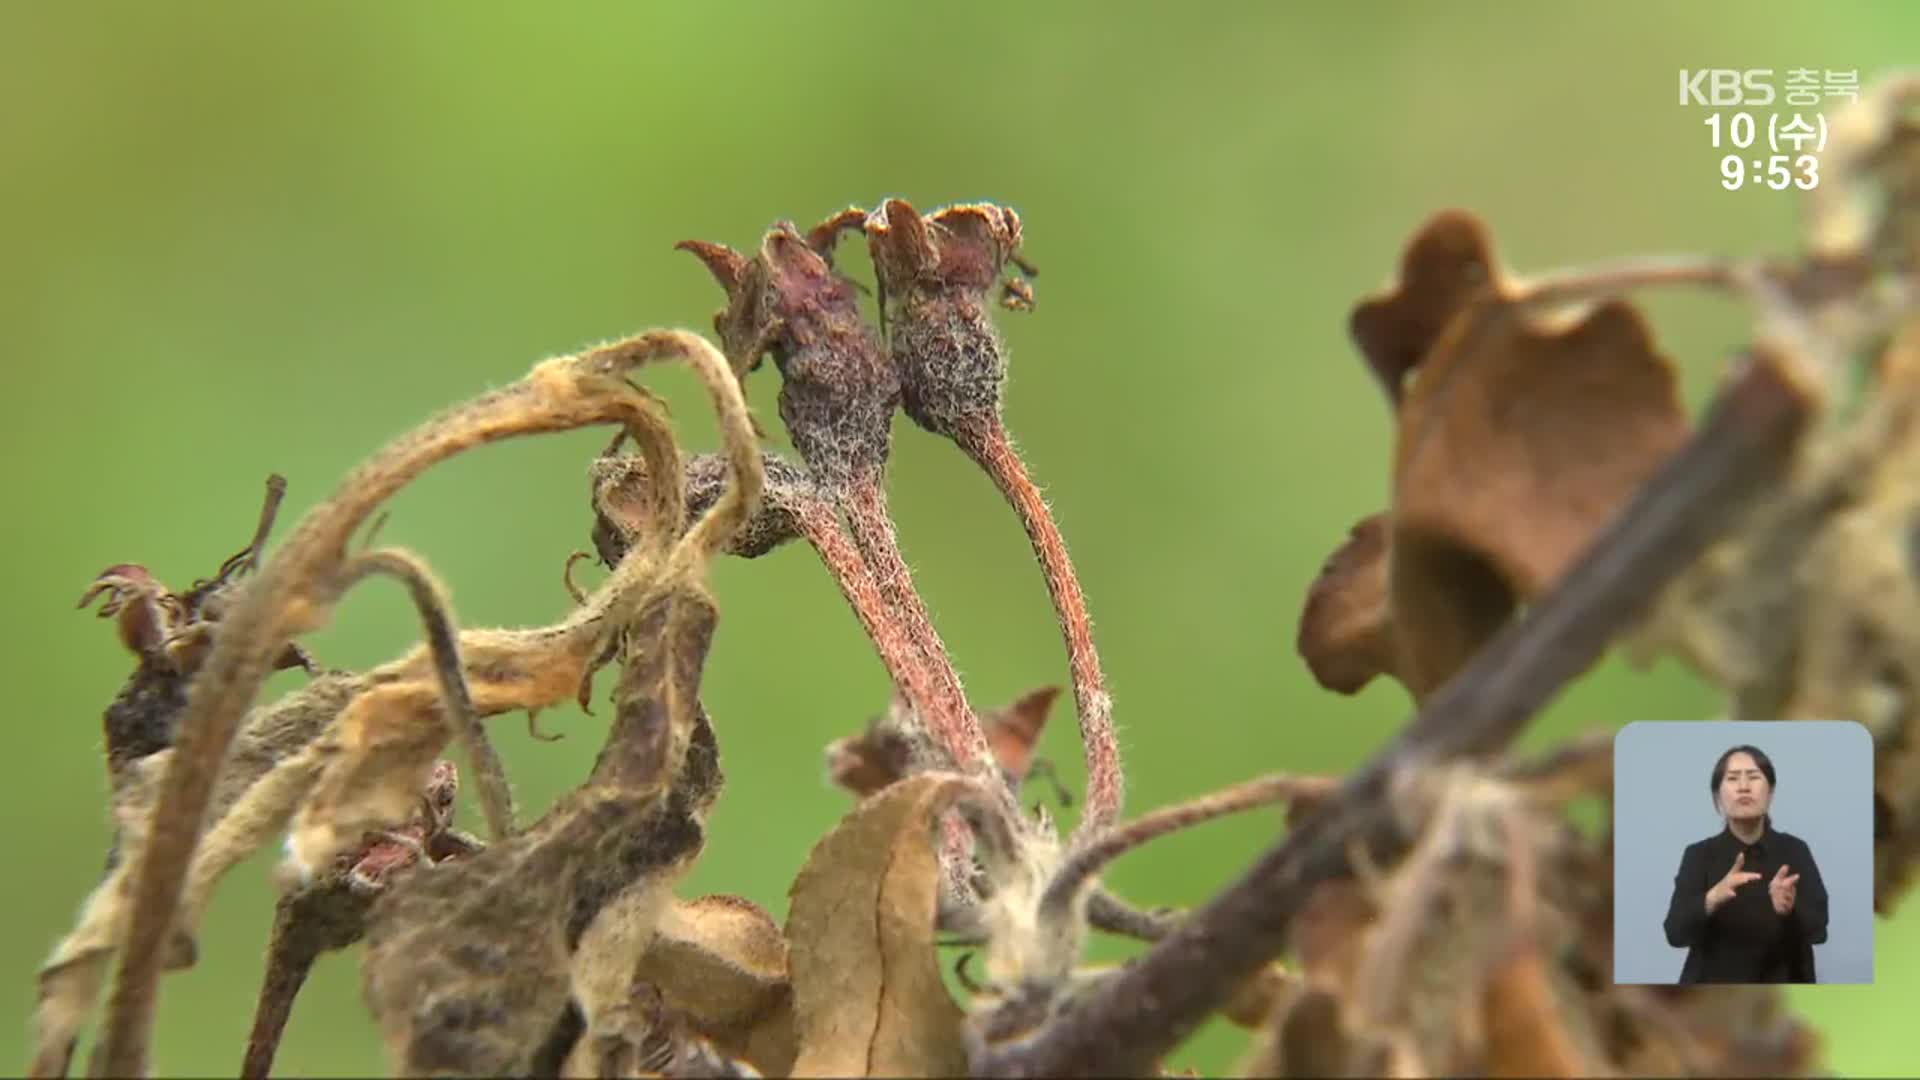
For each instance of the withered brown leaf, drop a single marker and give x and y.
(1345, 632)
(721, 962)
(869, 995)
(1445, 267)
(894, 743)
(1516, 443)
(479, 970)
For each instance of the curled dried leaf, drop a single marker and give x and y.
(721, 962)
(892, 746)
(387, 744)
(471, 966)
(1013, 732)
(477, 970)
(1515, 445)
(869, 995)
(274, 737)
(895, 744)
(295, 591)
(1447, 266)
(1346, 629)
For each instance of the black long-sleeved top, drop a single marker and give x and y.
(1744, 940)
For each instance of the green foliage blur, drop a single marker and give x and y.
(240, 238)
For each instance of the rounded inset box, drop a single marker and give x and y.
(1743, 852)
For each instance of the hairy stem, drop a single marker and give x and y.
(1127, 1024)
(992, 449)
(443, 645)
(1092, 855)
(951, 718)
(823, 530)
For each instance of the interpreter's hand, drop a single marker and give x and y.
(1781, 888)
(1722, 890)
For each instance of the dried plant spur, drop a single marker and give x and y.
(838, 394)
(935, 274)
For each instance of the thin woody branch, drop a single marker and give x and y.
(1130, 1022)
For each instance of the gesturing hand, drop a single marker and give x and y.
(1722, 890)
(1781, 888)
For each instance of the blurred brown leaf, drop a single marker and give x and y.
(1516, 441)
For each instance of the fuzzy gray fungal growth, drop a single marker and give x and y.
(838, 391)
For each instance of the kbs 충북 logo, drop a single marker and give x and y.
(1775, 150)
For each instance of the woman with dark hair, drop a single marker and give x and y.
(1748, 904)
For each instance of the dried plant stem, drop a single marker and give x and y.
(1745, 446)
(992, 449)
(1113, 915)
(443, 645)
(746, 469)
(952, 720)
(302, 931)
(247, 558)
(1091, 855)
(1604, 280)
(824, 531)
(290, 596)
(286, 973)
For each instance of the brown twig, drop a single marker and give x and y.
(306, 924)
(1126, 1025)
(1603, 280)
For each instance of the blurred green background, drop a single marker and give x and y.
(246, 238)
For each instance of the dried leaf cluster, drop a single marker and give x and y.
(1436, 912)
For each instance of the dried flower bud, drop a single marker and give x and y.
(838, 391)
(935, 273)
(170, 633)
